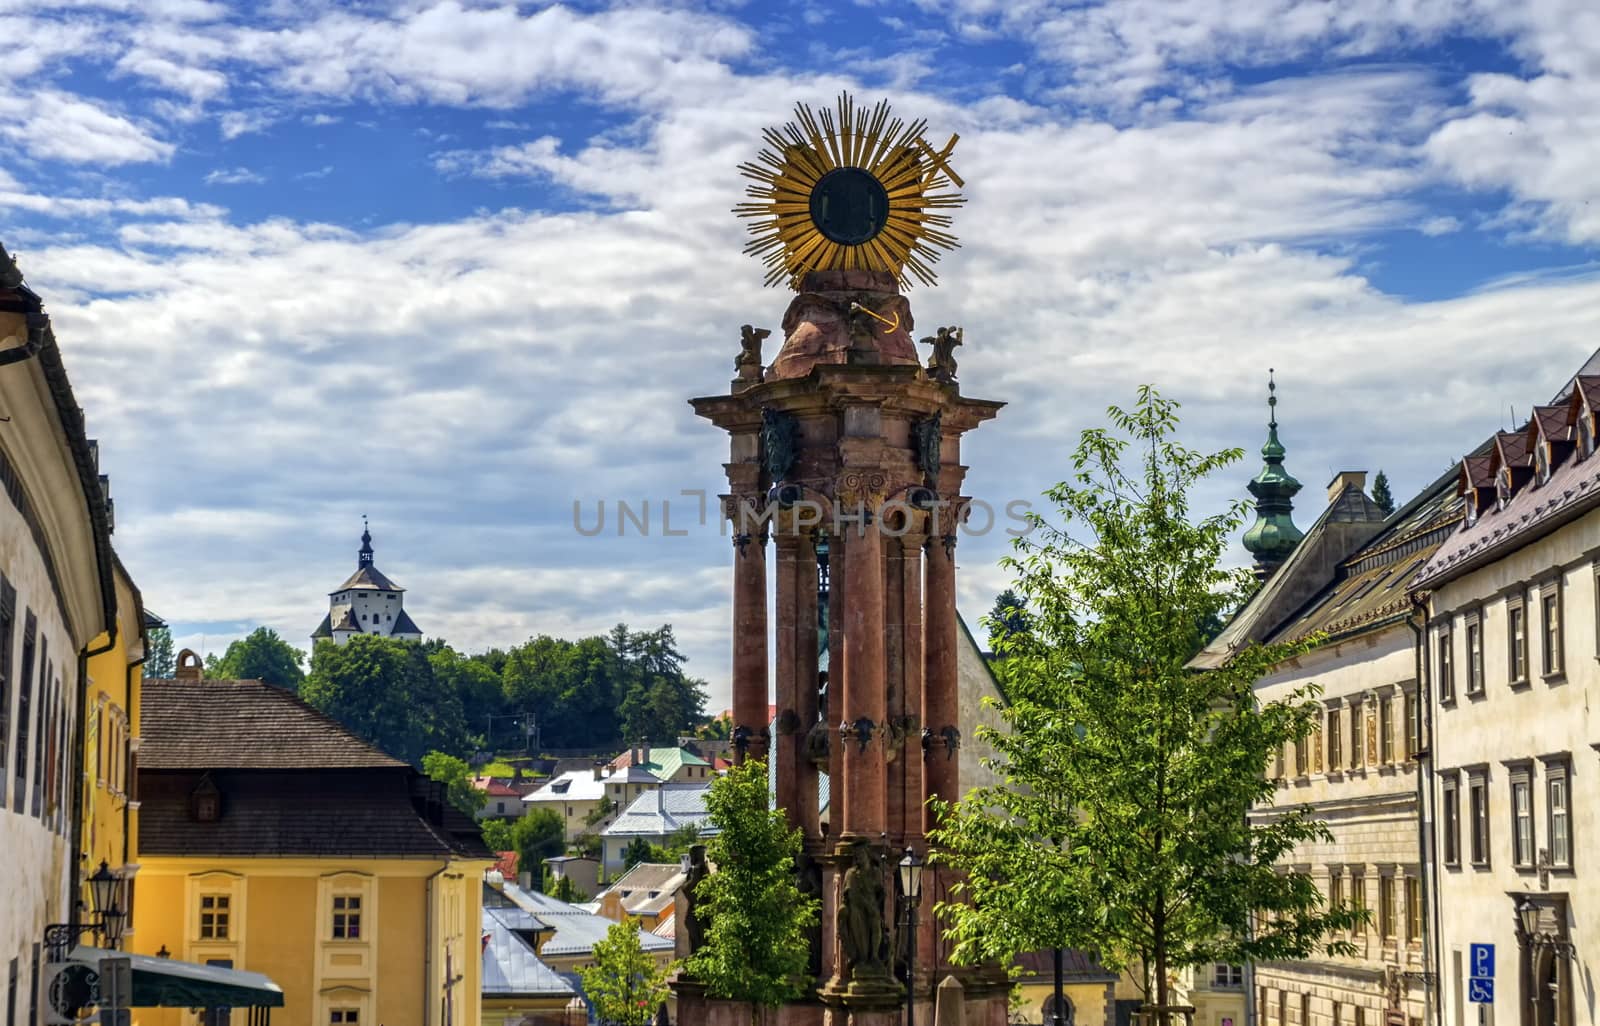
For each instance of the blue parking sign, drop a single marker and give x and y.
(1480, 990)
(1482, 961)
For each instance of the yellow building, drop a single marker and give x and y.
(272, 839)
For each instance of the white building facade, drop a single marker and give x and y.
(56, 596)
(1512, 643)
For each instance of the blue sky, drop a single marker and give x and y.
(457, 265)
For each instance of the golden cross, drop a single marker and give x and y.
(941, 160)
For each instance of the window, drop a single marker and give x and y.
(1305, 1009)
(1447, 678)
(1301, 758)
(8, 617)
(344, 1017)
(1517, 640)
(1386, 729)
(1414, 909)
(214, 916)
(1335, 888)
(1225, 975)
(1450, 821)
(1355, 733)
(1559, 802)
(30, 629)
(1550, 610)
(11, 996)
(1361, 1016)
(1521, 819)
(1386, 907)
(1474, 658)
(347, 917)
(1335, 756)
(1358, 896)
(1337, 1014)
(1413, 725)
(1478, 813)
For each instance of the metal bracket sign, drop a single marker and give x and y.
(1480, 984)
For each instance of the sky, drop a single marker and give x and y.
(458, 266)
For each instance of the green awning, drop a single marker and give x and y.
(169, 983)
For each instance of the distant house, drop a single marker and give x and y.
(656, 817)
(644, 892)
(574, 796)
(517, 986)
(583, 871)
(563, 935)
(504, 801)
(668, 765)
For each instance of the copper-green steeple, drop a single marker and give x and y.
(1273, 536)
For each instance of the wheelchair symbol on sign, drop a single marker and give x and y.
(1481, 991)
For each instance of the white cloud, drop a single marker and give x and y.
(234, 176)
(1444, 224)
(235, 123)
(54, 125)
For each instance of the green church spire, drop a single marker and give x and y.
(1273, 536)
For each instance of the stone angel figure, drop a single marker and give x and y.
(748, 362)
(942, 363)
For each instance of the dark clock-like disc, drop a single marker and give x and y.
(849, 206)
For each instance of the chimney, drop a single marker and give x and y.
(661, 798)
(190, 666)
(598, 765)
(1356, 479)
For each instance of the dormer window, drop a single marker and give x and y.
(1502, 487)
(205, 802)
(1541, 461)
(1585, 434)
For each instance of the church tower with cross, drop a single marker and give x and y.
(366, 603)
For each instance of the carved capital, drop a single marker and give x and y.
(860, 490)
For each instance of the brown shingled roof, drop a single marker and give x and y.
(1514, 448)
(1552, 422)
(243, 724)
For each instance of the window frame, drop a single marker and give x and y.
(1552, 641)
(1386, 730)
(1334, 731)
(1517, 641)
(1558, 773)
(1358, 727)
(1523, 849)
(220, 913)
(1450, 819)
(1481, 837)
(1445, 666)
(1358, 899)
(345, 917)
(1474, 639)
(1413, 891)
(1387, 920)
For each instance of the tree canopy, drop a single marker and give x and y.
(456, 775)
(385, 691)
(755, 915)
(1382, 497)
(160, 660)
(259, 655)
(1123, 823)
(623, 982)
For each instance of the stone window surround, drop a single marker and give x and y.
(1478, 775)
(1520, 771)
(1517, 602)
(1444, 661)
(1450, 826)
(1333, 745)
(1558, 767)
(1472, 626)
(1548, 585)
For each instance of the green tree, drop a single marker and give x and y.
(498, 834)
(658, 698)
(640, 850)
(260, 655)
(755, 915)
(159, 658)
(475, 681)
(384, 690)
(624, 983)
(1121, 823)
(1381, 496)
(535, 837)
(456, 775)
(1009, 616)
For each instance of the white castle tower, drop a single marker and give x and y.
(367, 603)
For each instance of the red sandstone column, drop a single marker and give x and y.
(838, 545)
(788, 734)
(805, 702)
(864, 778)
(894, 680)
(940, 699)
(750, 628)
(909, 779)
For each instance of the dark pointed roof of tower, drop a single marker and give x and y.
(1273, 536)
(366, 576)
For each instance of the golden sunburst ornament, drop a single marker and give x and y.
(850, 189)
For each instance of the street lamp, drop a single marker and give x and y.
(103, 888)
(911, 889)
(106, 919)
(1528, 917)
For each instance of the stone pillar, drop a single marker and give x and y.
(796, 674)
(864, 713)
(940, 696)
(750, 627)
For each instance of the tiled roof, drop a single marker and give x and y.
(347, 620)
(368, 578)
(511, 968)
(242, 724)
(325, 628)
(576, 931)
(648, 887)
(663, 811)
(328, 813)
(403, 624)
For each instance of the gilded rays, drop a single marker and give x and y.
(811, 207)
